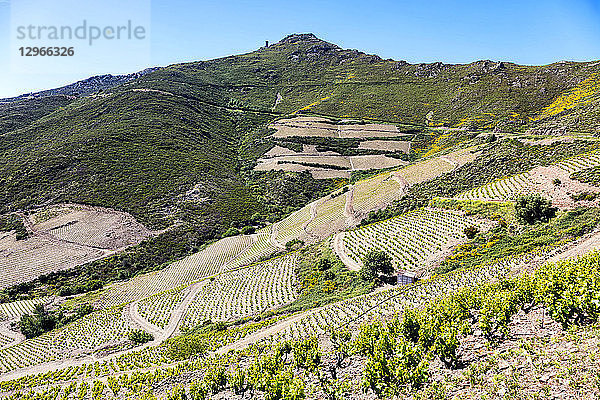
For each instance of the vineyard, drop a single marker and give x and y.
(329, 217)
(5, 340)
(532, 181)
(97, 330)
(292, 227)
(376, 192)
(93, 227)
(207, 262)
(412, 239)
(245, 292)
(157, 308)
(25, 260)
(14, 310)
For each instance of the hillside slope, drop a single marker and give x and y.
(199, 123)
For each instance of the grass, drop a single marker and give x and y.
(320, 286)
(511, 240)
(20, 113)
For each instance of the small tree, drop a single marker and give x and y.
(139, 336)
(471, 231)
(374, 263)
(231, 232)
(533, 208)
(324, 264)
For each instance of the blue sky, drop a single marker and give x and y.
(522, 31)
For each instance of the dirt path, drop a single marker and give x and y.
(450, 161)
(401, 181)
(160, 336)
(338, 248)
(278, 100)
(349, 213)
(273, 236)
(141, 321)
(257, 336)
(351, 164)
(313, 215)
(179, 312)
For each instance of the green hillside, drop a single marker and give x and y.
(176, 146)
(142, 145)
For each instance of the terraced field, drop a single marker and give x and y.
(413, 239)
(94, 227)
(538, 180)
(207, 262)
(322, 127)
(157, 308)
(329, 217)
(385, 303)
(93, 331)
(4, 340)
(245, 292)
(15, 309)
(65, 236)
(25, 260)
(332, 163)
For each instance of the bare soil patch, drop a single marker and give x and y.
(385, 145)
(560, 193)
(304, 126)
(65, 236)
(361, 131)
(322, 127)
(375, 162)
(548, 141)
(25, 260)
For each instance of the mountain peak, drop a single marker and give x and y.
(300, 37)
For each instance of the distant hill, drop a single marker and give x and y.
(17, 112)
(83, 87)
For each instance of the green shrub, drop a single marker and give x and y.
(231, 232)
(140, 336)
(534, 208)
(306, 354)
(324, 264)
(248, 230)
(571, 289)
(198, 391)
(393, 364)
(471, 231)
(237, 381)
(215, 379)
(294, 244)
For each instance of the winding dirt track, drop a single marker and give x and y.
(313, 215)
(338, 248)
(349, 213)
(273, 236)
